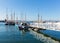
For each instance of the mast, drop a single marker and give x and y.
(17, 18)
(25, 17)
(21, 17)
(6, 14)
(38, 19)
(41, 19)
(14, 15)
(11, 16)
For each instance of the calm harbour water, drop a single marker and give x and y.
(11, 34)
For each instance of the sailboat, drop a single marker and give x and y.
(9, 22)
(24, 25)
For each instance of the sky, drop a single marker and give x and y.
(48, 9)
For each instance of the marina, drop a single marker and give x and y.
(29, 21)
(15, 31)
(12, 34)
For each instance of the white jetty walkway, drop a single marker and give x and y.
(48, 26)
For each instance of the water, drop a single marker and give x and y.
(11, 34)
(52, 33)
(43, 37)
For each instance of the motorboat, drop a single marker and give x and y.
(23, 26)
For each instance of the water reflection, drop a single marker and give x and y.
(42, 37)
(23, 32)
(25, 36)
(11, 34)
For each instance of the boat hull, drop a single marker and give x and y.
(10, 23)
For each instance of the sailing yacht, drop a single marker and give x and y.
(9, 22)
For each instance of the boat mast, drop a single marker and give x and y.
(6, 15)
(17, 18)
(41, 19)
(11, 16)
(25, 17)
(14, 15)
(21, 17)
(38, 19)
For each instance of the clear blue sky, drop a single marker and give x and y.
(48, 9)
